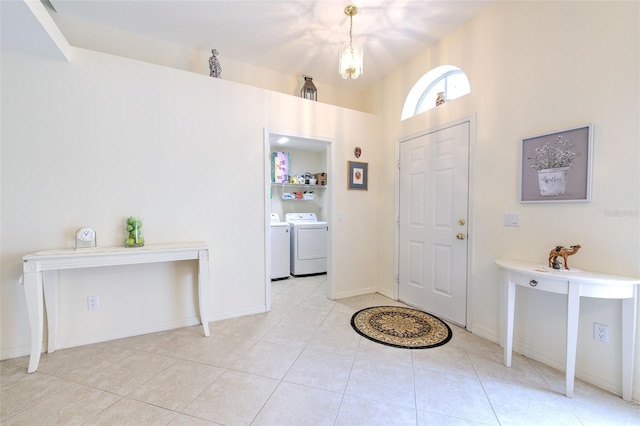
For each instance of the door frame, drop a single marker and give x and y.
(470, 220)
(328, 195)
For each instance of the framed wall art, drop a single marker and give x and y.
(357, 175)
(556, 167)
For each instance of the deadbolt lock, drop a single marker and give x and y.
(461, 222)
(460, 236)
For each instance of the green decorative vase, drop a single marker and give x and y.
(133, 227)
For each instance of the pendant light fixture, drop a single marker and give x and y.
(351, 56)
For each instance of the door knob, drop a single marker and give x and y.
(460, 236)
(461, 222)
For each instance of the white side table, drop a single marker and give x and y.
(40, 271)
(574, 284)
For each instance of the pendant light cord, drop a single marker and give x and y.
(351, 33)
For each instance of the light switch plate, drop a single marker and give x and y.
(511, 219)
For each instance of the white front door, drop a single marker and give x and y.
(434, 188)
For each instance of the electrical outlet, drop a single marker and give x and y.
(601, 332)
(93, 302)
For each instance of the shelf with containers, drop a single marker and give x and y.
(297, 191)
(292, 185)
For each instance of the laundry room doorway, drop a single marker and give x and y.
(306, 162)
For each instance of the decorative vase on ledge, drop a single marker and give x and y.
(134, 238)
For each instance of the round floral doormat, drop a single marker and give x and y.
(401, 327)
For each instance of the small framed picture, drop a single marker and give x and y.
(358, 175)
(556, 167)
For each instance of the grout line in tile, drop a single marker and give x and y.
(334, 309)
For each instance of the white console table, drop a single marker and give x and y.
(574, 284)
(40, 271)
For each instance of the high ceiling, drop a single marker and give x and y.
(295, 37)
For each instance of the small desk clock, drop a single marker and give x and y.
(85, 237)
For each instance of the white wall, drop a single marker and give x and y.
(129, 45)
(95, 140)
(535, 67)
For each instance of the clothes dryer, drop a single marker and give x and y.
(280, 248)
(308, 244)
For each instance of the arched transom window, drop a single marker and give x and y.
(449, 80)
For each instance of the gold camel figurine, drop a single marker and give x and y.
(563, 252)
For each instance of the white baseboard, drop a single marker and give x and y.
(485, 333)
(16, 352)
(353, 293)
(385, 293)
(121, 334)
(553, 361)
(590, 376)
(98, 338)
(261, 309)
(25, 350)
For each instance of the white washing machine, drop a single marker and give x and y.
(280, 248)
(308, 244)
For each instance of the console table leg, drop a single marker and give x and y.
(34, 299)
(573, 310)
(629, 318)
(511, 307)
(50, 287)
(203, 281)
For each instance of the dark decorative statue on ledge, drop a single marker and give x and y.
(562, 252)
(215, 70)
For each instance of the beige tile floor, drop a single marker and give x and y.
(300, 364)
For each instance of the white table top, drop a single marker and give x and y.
(48, 260)
(543, 271)
(99, 251)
